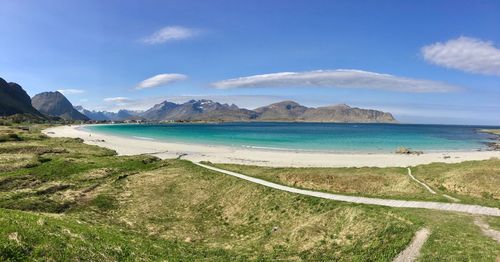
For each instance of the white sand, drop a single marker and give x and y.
(225, 154)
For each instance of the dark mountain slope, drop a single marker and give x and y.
(14, 100)
(56, 104)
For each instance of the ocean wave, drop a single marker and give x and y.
(275, 148)
(143, 138)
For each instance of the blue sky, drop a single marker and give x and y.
(424, 61)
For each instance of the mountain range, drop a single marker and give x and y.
(110, 116)
(286, 111)
(14, 100)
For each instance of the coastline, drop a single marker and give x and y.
(494, 144)
(261, 157)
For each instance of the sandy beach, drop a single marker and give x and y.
(225, 154)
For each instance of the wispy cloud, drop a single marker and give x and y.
(341, 78)
(465, 53)
(70, 91)
(118, 100)
(170, 33)
(160, 80)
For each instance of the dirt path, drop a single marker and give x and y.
(471, 209)
(487, 231)
(421, 183)
(412, 251)
(429, 188)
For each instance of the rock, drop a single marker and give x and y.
(407, 151)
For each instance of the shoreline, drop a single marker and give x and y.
(262, 157)
(278, 149)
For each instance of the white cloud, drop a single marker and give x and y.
(160, 80)
(341, 78)
(170, 33)
(466, 54)
(117, 100)
(70, 91)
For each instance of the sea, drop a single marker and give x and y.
(330, 137)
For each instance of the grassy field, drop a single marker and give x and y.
(373, 182)
(64, 200)
(476, 182)
(471, 181)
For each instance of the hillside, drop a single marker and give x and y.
(14, 100)
(56, 104)
(346, 114)
(288, 111)
(198, 110)
(282, 111)
(63, 200)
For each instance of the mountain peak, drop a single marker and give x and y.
(14, 100)
(56, 104)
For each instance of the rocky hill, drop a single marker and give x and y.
(346, 114)
(199, 110)
(56, 104)
(282, 111)
(109, 116)
(287, 111)
(14, 100)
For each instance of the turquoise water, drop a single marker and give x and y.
(311, 136)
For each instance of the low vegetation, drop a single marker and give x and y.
(475, 182)
(63, 200)
(471, 181)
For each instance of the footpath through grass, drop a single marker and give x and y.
(474, 182)
(63, 200)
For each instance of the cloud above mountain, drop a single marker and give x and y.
(119, 99)
(466, 54)
(170, 33)
(160, 80)
(340, 78)
(71, 91)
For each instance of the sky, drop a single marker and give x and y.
(424, 61)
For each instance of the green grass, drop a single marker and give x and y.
(454, 237)
(27, 236)
(64, 200)
(475, 182)
(392, 183)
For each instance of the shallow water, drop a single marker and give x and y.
(372, 138)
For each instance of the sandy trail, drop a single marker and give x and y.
(429, 188)
(464, 208)
(486, 230)
(412, 251)
(420, 182)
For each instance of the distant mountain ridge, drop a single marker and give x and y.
(286, 111)
(14, 100)
(198, 110)
(56, 104)
(109, 116)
